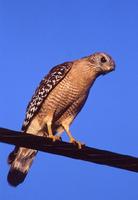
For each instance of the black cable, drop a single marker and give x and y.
(69, 150)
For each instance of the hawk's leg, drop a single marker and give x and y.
(71, 138)
(48, 122)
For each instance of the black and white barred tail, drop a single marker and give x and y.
(21, 162)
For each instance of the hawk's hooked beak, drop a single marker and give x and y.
(108, 69)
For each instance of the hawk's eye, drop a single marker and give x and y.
(103, 60)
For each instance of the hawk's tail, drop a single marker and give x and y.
(20, 161)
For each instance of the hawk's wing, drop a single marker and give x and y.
(49, 82)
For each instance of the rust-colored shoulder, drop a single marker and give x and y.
(49, 82)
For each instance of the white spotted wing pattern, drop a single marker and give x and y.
(49, 82)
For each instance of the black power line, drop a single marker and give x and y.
(69, 150)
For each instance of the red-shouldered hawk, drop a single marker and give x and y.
(55, 104)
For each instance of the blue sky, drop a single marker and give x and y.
(35, 36)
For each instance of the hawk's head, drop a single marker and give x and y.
(102, 63)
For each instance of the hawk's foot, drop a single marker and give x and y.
(79, 144)
(54, 138)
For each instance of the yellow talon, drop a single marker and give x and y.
(54, 138)
(73, 141)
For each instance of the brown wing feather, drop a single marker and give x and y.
(49, 82)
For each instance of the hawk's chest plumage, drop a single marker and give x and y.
(61, 93)
(66, 99)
